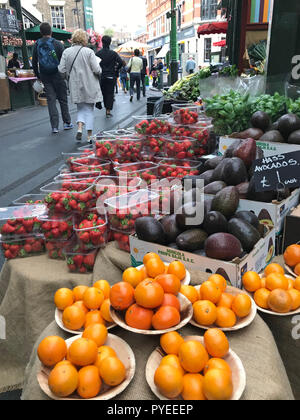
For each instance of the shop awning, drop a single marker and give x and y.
(213, 28)
(220, 43)
(34, 33)
(164, 51)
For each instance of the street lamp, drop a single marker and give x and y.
(173, 43)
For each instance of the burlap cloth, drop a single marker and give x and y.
(27, 288)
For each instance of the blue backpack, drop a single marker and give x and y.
(48, 60)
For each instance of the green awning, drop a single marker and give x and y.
(32, 34)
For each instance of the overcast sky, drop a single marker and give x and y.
(121, 13)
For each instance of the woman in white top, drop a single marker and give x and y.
(81, 66)
(136, 66)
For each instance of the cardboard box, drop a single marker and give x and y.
(233, 271)
(291, 228)
(270, 149)
(4, 97)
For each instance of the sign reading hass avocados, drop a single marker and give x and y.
(275, 172)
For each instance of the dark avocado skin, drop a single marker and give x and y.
(191, 240)
(215, 222)
(248, 217)
(223, 246)
(150, 230)
(226, 202)
(170, 227)
(245, 233)
(234, 172)
(214, 187)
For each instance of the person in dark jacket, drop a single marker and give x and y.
(143, 74)
(46, 57)
(14, 62)
(123, 77)
(111, 63)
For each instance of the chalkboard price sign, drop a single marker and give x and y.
(8, 21)
(277, 172)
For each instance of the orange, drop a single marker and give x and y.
(170, 283)
(291, 283)
(63, 380)
(149, 294)
(190, 292)
(216, 343)
(89, 383)
(178, 269)
(63, 298)
(171, 300)
(292, 255)
(242, 305)
(121, 296)
(205, 312)
(149, 257)
(297, 284)
(105, 311)
(193, 387)
(277, 281)
(104, 286)
(297, 270)
(261, 297)
(193, 356)
(226, 318)
(93, 317)
(64, 363)
(226, 300)
(93, 298)
(169, 381)
(170, 342)
(263, 282)
(251, 281)
(143, 272)
(82, 306)
(73, 318)
(216, 363)
(132, 276)
(217, 385)
(280, 301)
(103, 353)
(295, 295)
(155, 267)
(273, 268)
(83, 352)
(166, 317)
(52, 350)
(219, 281)
(97, 333)
(138, 317)
(78, 292)
(112, 371)
(172, 360)
(211, 292)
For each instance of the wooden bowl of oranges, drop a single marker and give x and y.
(148, 301)
(274, 292)
(195, 368)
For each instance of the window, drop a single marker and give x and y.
(207, 49)
(58, 17)
(209, 9)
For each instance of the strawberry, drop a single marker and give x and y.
(63, 227)
(89, 260)
(78, 260)
(28, 248)
(28, 224)
(8, 254)
(85, 237)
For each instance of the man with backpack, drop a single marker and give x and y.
(46, 57)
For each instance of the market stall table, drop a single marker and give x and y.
(21, 92)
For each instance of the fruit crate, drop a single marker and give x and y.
(174, 168)
(22, 247)
(122, 239)
(127, 148)
(21, 221)
(30, 199)
(147, 171)
(91, 230)
(152, 126)
(123, 211)
(93, 164)
(186, 114)
(79, 260)
(57, 228)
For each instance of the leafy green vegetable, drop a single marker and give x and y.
(293, 107)
(274, 105)
(188, 87)
(231, 71)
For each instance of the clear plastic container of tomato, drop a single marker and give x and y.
(93, 164)
(91, 230)
(79, 260)
(174, 168)
(123, 210)
(122, 239)
(30, 199)
(186, 114)
(55, 249)
(152, 126)
(22, 247)
(144, 170)
(57, 228)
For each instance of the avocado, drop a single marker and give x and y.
(248, 217)
(261, 120)
(247, 152)
(231, 149)
(208, 199)
(214, 187)
(223, 246)
(287, 124)
(170, 228)
(243, 190)
(150, 230)
(251, 133)
(294, 138)
(187, 211)
(244, 232)
(218, 172)
(273, 136)
(263, 197)
(234, 172)
(226, 202)
(215, 222)
(213, 163)
(207, 176)
(191, 196)
(193, 180)
(191, 240)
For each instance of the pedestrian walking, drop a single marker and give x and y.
(46, 57)
(160, 66)
(124, 77)
(81, 67)
(110, 63)
(135, 67)
(190, 65)
(143, 74)
(154, 73)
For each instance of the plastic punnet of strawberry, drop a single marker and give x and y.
(79, 260)
(103, 167)
(21, 220)
(122, 239)
(152, 126)
(55, 248)
(186, 114)
(144, 170)
(91, 230)
(57, 227)
(172, 168)
(22, 247)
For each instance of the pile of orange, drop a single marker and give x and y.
(213, 306)
(84, 366)
(193, 370)
(275, 291)
(149, 295)
(292, 258)
(84, 305)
